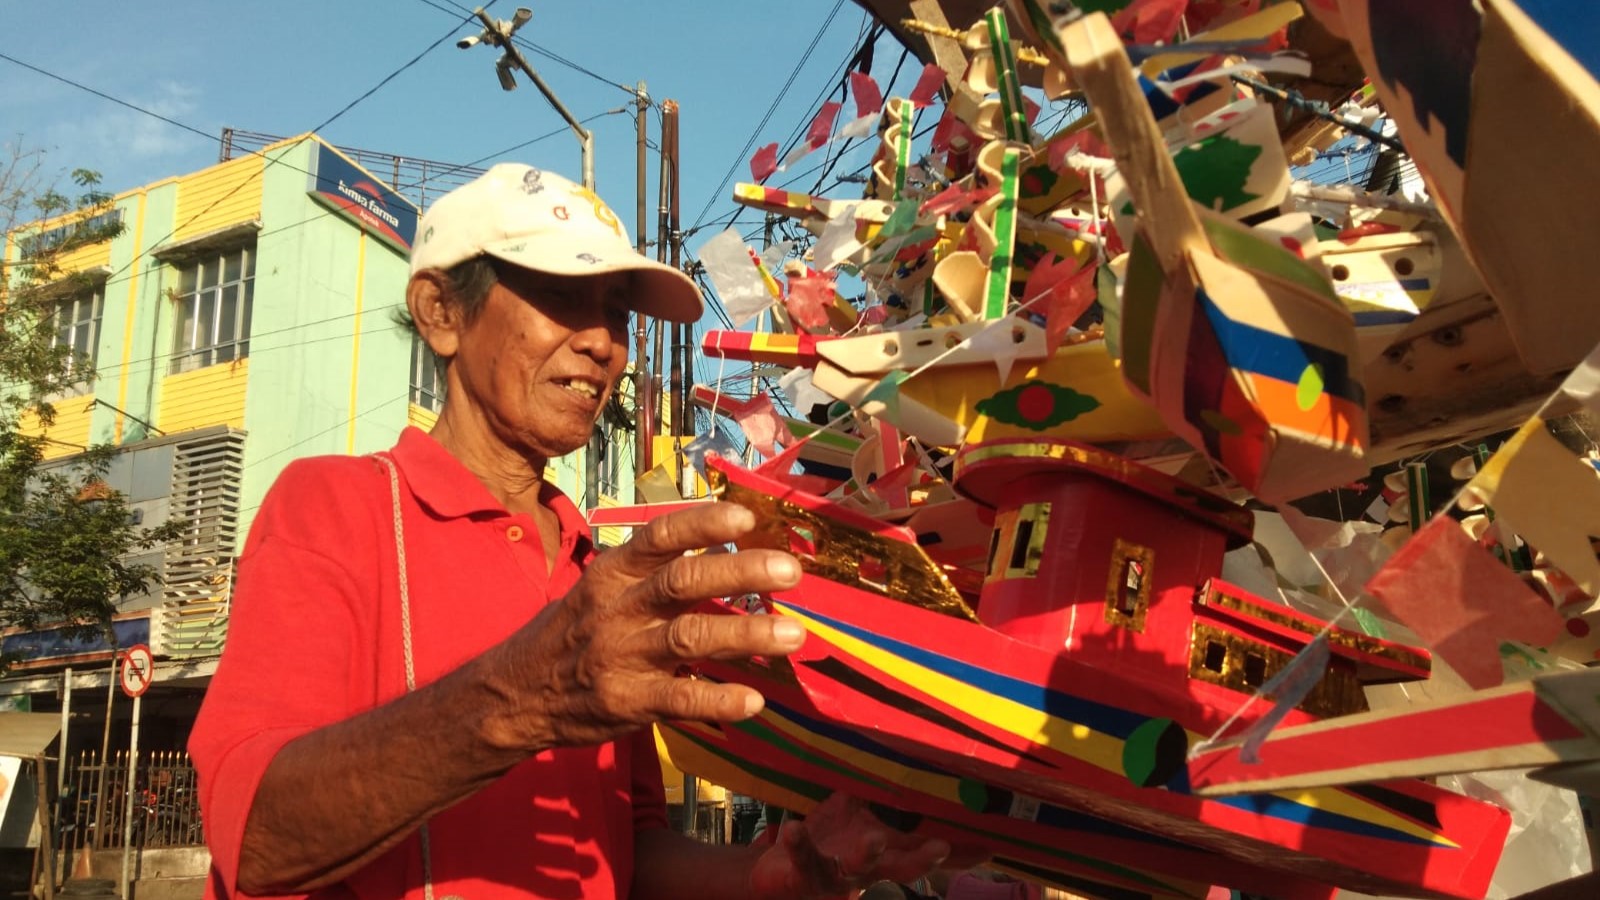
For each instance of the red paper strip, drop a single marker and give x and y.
(764, 163)
(928, 84)
(810, 295)
(822, 126)
(1462, 601)
(1149, 21)
(868, 98)
(761, 424)
(1063, 291)
(954, 198)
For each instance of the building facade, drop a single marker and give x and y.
(246, 315)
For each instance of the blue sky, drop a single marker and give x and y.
(284, 67)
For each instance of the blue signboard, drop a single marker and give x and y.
(55, 644)
(352, 191)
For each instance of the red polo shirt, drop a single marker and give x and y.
(315, 637)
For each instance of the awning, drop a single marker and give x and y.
(26, 735)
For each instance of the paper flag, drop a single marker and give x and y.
(838, 239)
(761, 424)
(1149, 21)
(859, 127)
(895, 481)
(715, 442)
(764, 163)
(658, 486)
(739, 284)
(781, 468)
(865, 90)
(1083, 142)
(802, 394)
(810, 295)
(1286, 689)
(1063, 292)
(887, 392)
(928, 84)
(1548, 496)
(1461, 601)
(817, 134)
(954, 198)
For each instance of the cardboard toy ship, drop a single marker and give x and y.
(1102, 647)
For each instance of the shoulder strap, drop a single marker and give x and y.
(405, 642)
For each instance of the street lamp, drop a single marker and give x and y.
(498, 33)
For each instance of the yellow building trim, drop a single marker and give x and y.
(128, 320)
(210, 396)
(212, 199)
(70, 432)
(418, 417)
(355, 345)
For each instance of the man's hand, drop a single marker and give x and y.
(839, 848)
(604, 660)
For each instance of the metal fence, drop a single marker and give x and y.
(94, 802)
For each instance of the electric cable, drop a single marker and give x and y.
(741, 156)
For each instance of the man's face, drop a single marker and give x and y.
(539, 361)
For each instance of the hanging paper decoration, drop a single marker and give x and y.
(811, 294)
(865, 91)
(928, 84)
(761, 424)
(764, 163)
(1150, 21)
(743, 292)
(817, 134)
(704, 445)
(1462, 601)
(1064, 291)
(658, 486)
(1549, 497)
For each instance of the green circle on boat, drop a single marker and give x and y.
(1154, 752)
(974, 794)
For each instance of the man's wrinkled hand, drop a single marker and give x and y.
(605, 659)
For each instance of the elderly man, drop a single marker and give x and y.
(432, 686)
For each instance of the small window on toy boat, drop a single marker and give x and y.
(1255, 670)
(1216, 656)
(1016, 548)
(1128, 584)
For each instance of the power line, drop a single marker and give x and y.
(267, 161)
(542, 51)
(105, 96)
(771, 109)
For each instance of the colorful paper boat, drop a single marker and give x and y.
(1098, 721)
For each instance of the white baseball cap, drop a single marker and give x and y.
(540, 221)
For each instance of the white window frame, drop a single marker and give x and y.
(205, 331)
(427, 376)
(70, 322)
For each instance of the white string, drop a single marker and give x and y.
(406, 646)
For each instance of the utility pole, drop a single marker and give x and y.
(681, 425)
(643, 426)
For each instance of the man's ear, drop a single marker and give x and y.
(435, 311)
